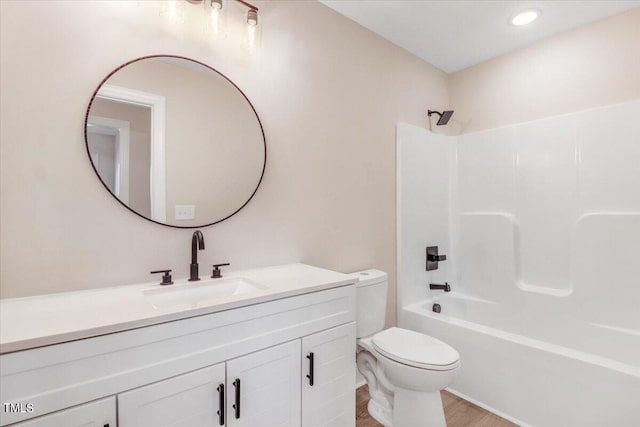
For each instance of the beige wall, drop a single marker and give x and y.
(329, 94)
(594, 65)
(139, 119)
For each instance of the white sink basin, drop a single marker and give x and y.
(200, 292)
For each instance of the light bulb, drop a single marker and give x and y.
(252, 17)
(214, 21)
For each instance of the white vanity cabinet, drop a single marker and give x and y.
(101, 413)
(170, 374)
(260, 389)
(263, 388)
(328, 377)
(188, 400)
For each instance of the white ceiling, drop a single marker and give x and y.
(455, 34)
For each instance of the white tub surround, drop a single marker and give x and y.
(274, 358)
(540, 222)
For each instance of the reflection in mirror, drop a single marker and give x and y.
(175, 141)
(108, 136)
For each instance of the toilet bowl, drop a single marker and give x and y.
(405, 370)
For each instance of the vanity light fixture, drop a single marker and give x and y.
(252, 14)
(216, 11)
(525, 17)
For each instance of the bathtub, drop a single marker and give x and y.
(542, 371)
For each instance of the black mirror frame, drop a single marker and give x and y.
(86, 140)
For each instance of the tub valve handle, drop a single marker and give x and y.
(433, 258)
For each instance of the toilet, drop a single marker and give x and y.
(405, 370)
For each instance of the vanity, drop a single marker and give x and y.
(265, 347)
(178, 143)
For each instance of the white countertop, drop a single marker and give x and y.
(55, 318)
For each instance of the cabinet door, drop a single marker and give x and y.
(263, 388)
(101, 413)
(328, 378)
(189, 400)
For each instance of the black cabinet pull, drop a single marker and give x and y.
(310, 375)
(236, 406)
(221, 403)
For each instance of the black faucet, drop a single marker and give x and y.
(197, 242)
(444, 287)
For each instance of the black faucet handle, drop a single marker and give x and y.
(433, 258)
(166, 277)
(216, 273)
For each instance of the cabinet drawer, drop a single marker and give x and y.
(101, 413)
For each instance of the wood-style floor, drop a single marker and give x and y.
(457, 411)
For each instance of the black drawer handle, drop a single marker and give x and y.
(221, 403)
(311, 370)
(236, 406)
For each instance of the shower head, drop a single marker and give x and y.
(444, 116)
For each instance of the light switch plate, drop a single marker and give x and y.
(185, 212)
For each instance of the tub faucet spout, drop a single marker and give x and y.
(436, 286)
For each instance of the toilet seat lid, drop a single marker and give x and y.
(415, 349)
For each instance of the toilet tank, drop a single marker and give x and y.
(371, 301)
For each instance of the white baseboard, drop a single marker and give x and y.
(488, 408)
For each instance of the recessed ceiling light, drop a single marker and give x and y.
(525, 17)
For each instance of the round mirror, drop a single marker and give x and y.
(175, 141)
